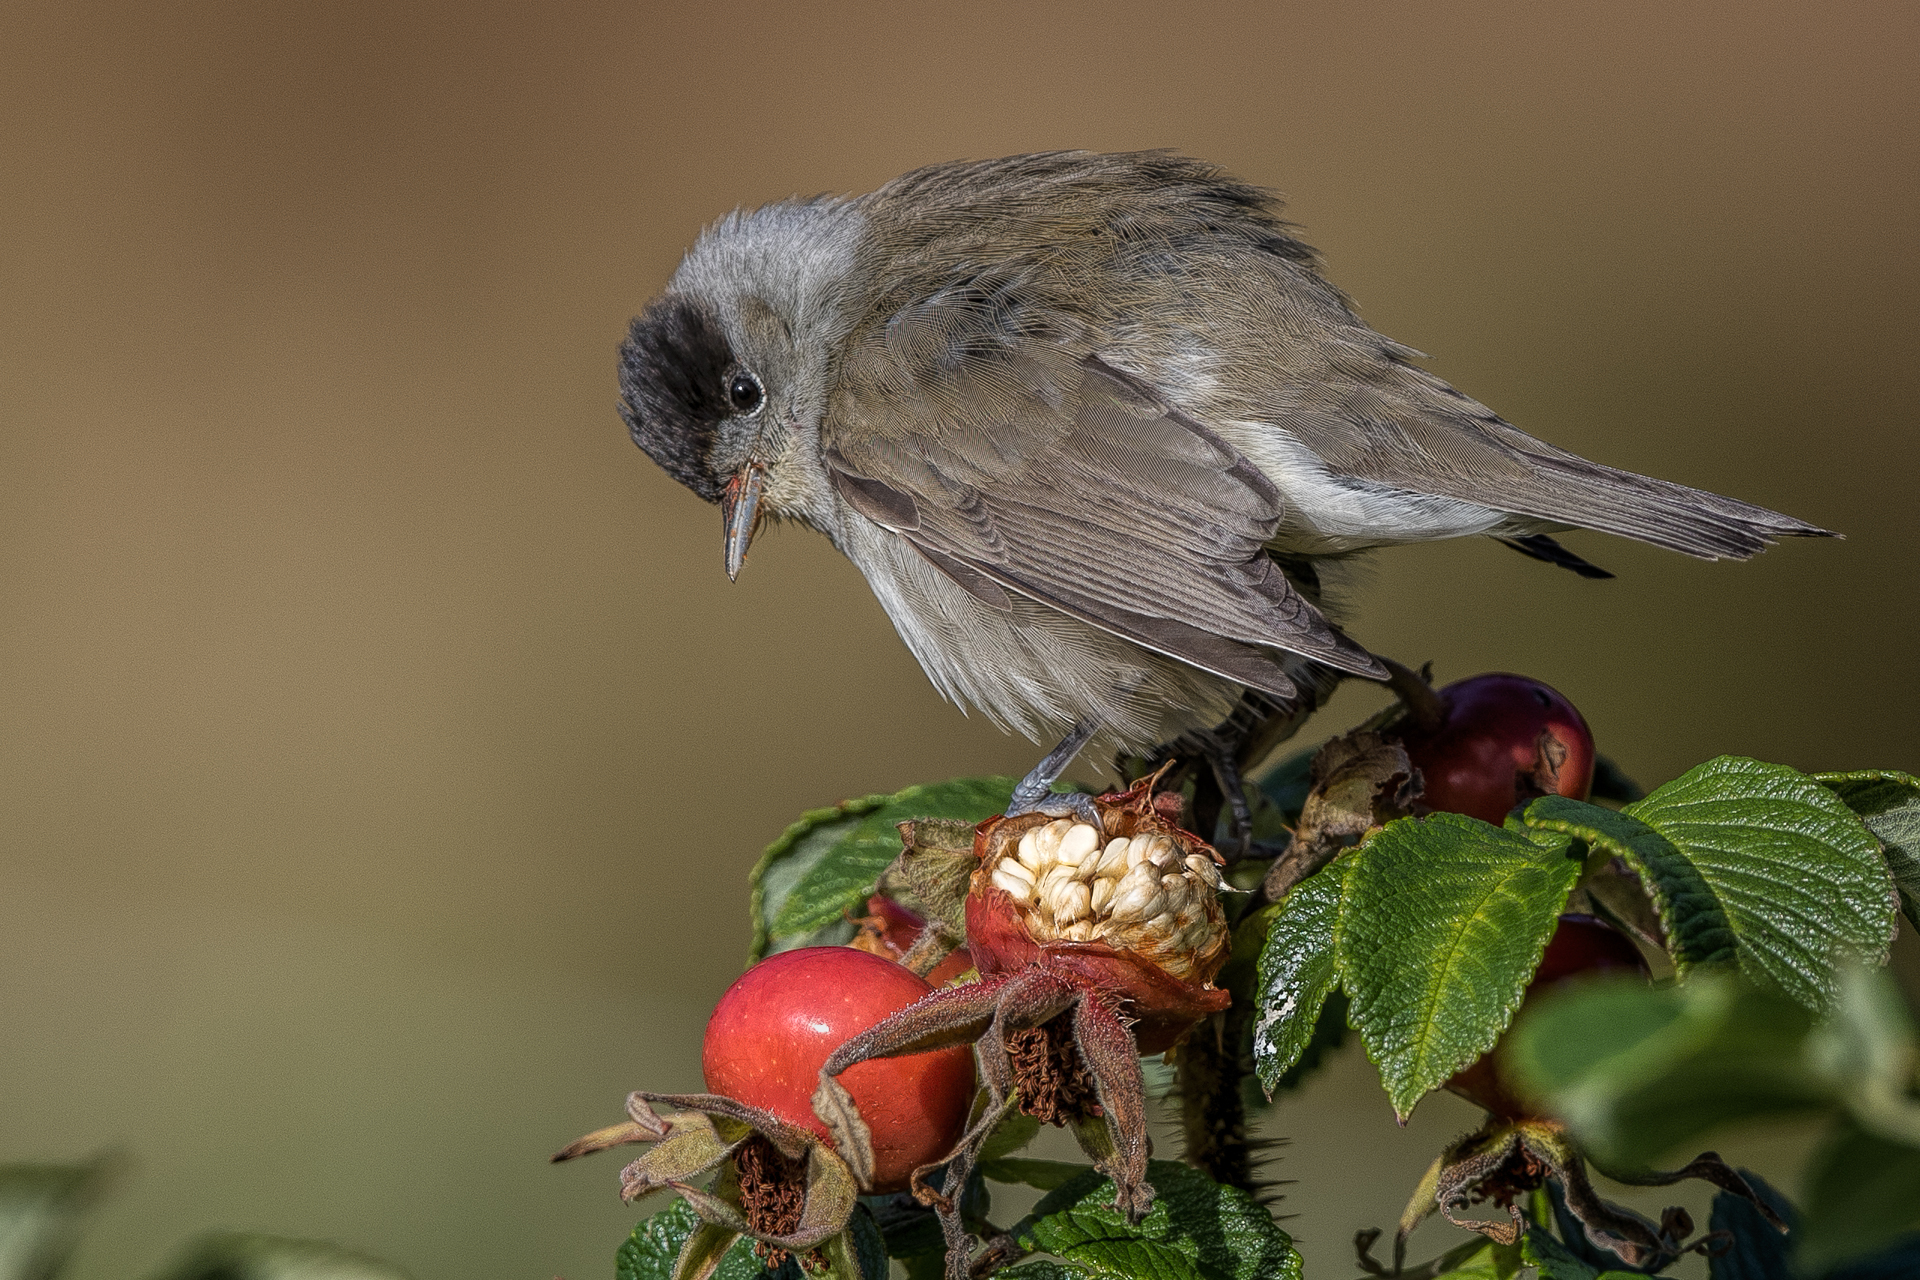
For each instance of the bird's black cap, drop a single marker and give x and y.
(673, 375)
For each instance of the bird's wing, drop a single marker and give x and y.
(1356, 401)
(1015, 460)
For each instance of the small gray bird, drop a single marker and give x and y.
(1089, 424)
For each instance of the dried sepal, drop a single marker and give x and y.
(1360, 781)
(946, 1017)
(1507, 1160)
(1108, 1051)
(642, 1124)
(733, 1119)
(688, 1152)
(851, 1136)
(936, 865)
(1102, 1098)
(830, 1198)
(775, 1183)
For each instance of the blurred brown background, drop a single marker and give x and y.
(382, 748)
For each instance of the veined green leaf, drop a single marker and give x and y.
(846, 864)
(1043, 1269)
(1888, 801)
(1554, 1260)
(1198, 1230)
(787, 859)
(1444, 921)
(1801, 879)
(649, 1253)
(1697, 930)
(1297, 971)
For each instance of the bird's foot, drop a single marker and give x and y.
(1035, 794)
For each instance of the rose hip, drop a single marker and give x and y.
(1500, 741)
(778, 1023)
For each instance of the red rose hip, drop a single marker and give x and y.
(1501, 740)
(777, 1024)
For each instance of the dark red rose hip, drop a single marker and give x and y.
(1501, 740)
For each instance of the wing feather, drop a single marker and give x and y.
(1045, 472)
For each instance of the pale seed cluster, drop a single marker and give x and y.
(1143, 893)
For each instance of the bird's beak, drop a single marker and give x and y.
(740, 511)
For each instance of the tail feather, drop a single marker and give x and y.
(1588, 495)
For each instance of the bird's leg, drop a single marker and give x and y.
(1034, 794)
(1256, 725)
(1221, 786)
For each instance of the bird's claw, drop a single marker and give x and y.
(1062, 804)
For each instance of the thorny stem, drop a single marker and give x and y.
(1213, 1112)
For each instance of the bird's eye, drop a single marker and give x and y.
(744, 392)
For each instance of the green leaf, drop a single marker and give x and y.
(1753, 1250)
(1488, 1262)
(844, 868)
(1297, 971)
(910, 1232)
(1863, 1191)
(1043, 1269)
(1800, 878)
(1011, 1134)
(1637, 1071)
(1889, 803)
(42, 1208)
(1552, 1258)
(234, 1255)
(1197, 1230)
(1556, 1262)
(1610, 782)
(1444, 922)
(1697, 930)
(649, 1252)
(787, 859)
(869, 1245)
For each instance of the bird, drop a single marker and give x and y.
(1093, 426)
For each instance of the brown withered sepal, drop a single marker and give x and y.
(1506, 1160)
(777, 1184)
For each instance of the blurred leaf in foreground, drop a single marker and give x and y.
(1635, 1072)
(234, 1255)
(42, 1210)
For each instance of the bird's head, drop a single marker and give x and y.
(723, 378)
